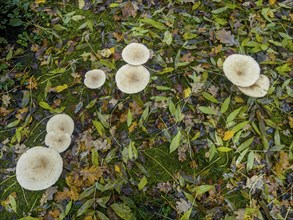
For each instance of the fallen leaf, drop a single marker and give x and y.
(32, 83)
(225, 37)
(129, 10)
(228, 135)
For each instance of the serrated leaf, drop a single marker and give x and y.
(209, 97)
(225, 105)
(175, 142)
(142, 183)
(207, 110)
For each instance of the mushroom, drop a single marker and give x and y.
(58, 142)
(132, 79)
(60, 124)
(95, 78)
(259, 89)
(241, 70)
(135, 54)
(38, 168)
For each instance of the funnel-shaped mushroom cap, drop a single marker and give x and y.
(241, 70)
(259, 89)
(135, 54)
(38, 168)
(58, 142)
(60, 124)
(94, 78)
(132, 79)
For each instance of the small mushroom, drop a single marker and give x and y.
(241, 70)
(38, 168)
(132, 79)
(135, 54)
(60, 124)
(259, 89)
(95, 78)
(58, 142)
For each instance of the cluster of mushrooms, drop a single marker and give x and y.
(244, 72)
(40, 167)
(132, 77)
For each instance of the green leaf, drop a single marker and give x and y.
(102, 201)
(209, 97)
(29, 218)
(91, 104)
(241, 156)
(219, 10)
(13, 124)
(167, 37)
(153, 23)
(108, 64)
(59, 70)
(233, 115)
(207, 110)
(132, 151)
(142, 183)
(224, 149)
(166, 70)
(175, 142)
(250, 161)
(45, 105)
(245, 145)
(186, 215)
(225, 105)
(129, 118)
(122, 210)
(203, 189)
(85, 207)
(95, 157)
(66, 211)
(102, 216)
(98, 125)
(239, 126)
(212, 150)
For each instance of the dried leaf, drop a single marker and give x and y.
(225, 37)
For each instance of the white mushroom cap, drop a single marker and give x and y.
(95, 78)
(135, 54)
(38, 168)
(60, 124)
(259, 89)
(132, 79)
(241, 70)
(58, 142)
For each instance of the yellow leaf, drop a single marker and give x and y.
(272, 2)
(40, 1)
(132, 127)
(59, 88)
(186, 92)
(290, 122)
(238, 99)
(117, 169)
(228, 135)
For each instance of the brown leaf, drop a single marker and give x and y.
(225, 37)
(32, 83)
(129, 10)
(91, 174)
